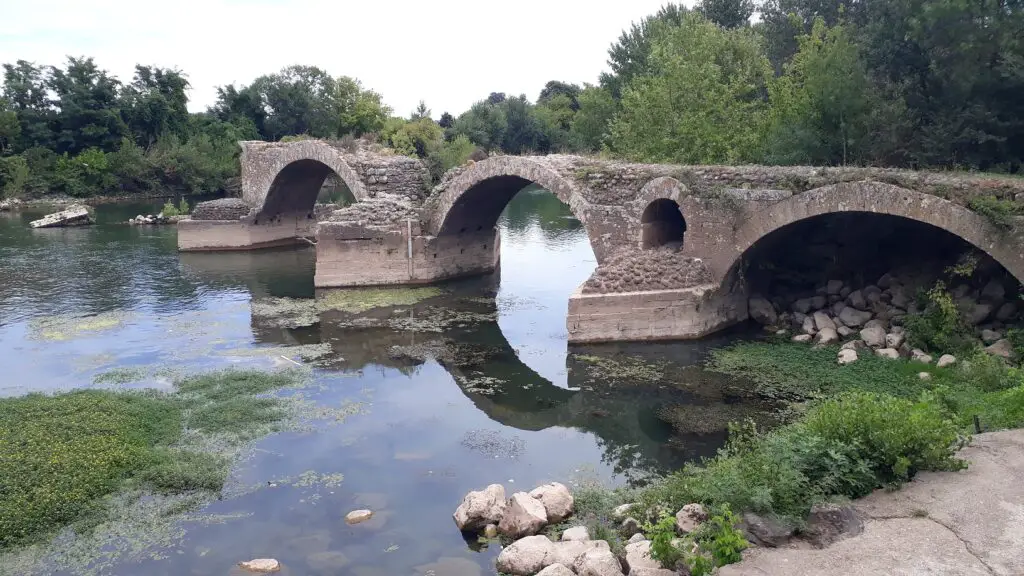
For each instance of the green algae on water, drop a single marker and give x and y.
(358, 300)
(67, 327)
(621, 368)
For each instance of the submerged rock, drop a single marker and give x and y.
(524, 516)
(480, 508)
(326, 563)
(357, 516)
(261, 565)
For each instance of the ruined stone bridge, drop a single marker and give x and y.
(403, 231)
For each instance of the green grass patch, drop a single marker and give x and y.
(61, 455)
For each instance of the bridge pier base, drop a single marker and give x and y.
(243, 234)
(679, 314)
(349, 255)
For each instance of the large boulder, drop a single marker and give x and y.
(990, 336)
(567, 553)
(765, 531)
(480, 508)
(979, 313)
(1002, 348)
(822, 321)
(1006, 312)
(888, 353)
(689, 517)
(894, 339)
(638, 556)
(857, 300)
(885, 281)
(993, 292)
(556, 570)
(557, 500)
(818, 302)
(852, 317)
(762, 311)
(946, 360)
(873, 336)
(802, 306)
(802, 338)
(834, 287)
(598, 562)
(900, 299)
(526, 556)
(828, 523)
(872, 294)
(524, 516)
(808, 326)
(919, 355)
(845, 332)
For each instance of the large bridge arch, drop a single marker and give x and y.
(1005, 247)
(287, 179)
(473, 200)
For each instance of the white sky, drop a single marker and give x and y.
(450, 53)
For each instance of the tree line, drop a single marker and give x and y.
(908, 83)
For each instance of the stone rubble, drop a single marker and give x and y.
(77, 215)
(872, 317)
(656, 269)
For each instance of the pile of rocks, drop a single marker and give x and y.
(9, 204)
(871, 318)
(657, 269)
(154, 220)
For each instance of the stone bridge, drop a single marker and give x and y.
(402, 231)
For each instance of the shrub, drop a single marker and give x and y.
(1016, 338)
(1000, 213)
(661, 535)
(183, 207)
(14, 176)
(450, 154)
(940, 328)
(169, 209)
(719, 543)
(86, 174)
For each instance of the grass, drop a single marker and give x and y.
(63, 455)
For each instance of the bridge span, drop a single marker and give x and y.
(402, 230)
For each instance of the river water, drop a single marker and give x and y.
(79, 303)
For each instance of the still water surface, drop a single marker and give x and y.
(76, 303)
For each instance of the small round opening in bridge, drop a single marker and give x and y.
(662, 224)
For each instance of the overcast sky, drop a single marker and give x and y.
(447, 52)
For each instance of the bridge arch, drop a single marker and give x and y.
(290, 177)
(1005, 247)
(659, 208)
(474, 200)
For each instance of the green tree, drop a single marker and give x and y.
(554, 89)
(240, 106)
(88, 107)
(299, 100)
(703, 102)
(825, 109)
(420, 112)
(554, 119)
(484, 124)
(591, 122)
(522, 131)
(26, 94)
(727, 13)
(155, 104)
(360, 110)
(628, 57)
(10, 128)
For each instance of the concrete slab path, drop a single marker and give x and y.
(963, 523)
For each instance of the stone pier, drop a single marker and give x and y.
(672, 242)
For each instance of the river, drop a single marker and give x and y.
(80, 303)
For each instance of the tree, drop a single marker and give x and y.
(703, 102)
(420, 112)
(239, 106)
(628, 57)
(496, 98)
(555, 88)
(155, 104)
(825, 108)
(484, 124)
(88, 107)
(591, 122)
(554, 118)
(522, 132)
(727, 13)
(360, 111)
(10, 129)
(446, 121)
(26, 93)
(299, 100)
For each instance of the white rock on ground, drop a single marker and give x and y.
(620, 512)
(526, 556)
(638, 556)
(576, 533)
(847, 356)
(822, 321)
(524, 516)
(357, 516)
(567, 553)
(808, 326)
(261, 565)
(845, 332)
(802, 338)
(557, 500)
(919, 355)
(894, 340)
(598, 562)
(924, 375)
(827, 336)
(638, 537)
(946, 360)
(1002, 348)
(853, 317)
(480, 508)
(890, 353)
(873, 336)
(689, 517)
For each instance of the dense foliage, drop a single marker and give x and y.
(911, 83)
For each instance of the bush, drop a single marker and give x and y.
(940, 328)
(719, 543)
(845, 446)
(14, 176)
(1000, 213)
(447, 155)
(84, 175)
(169, 209)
